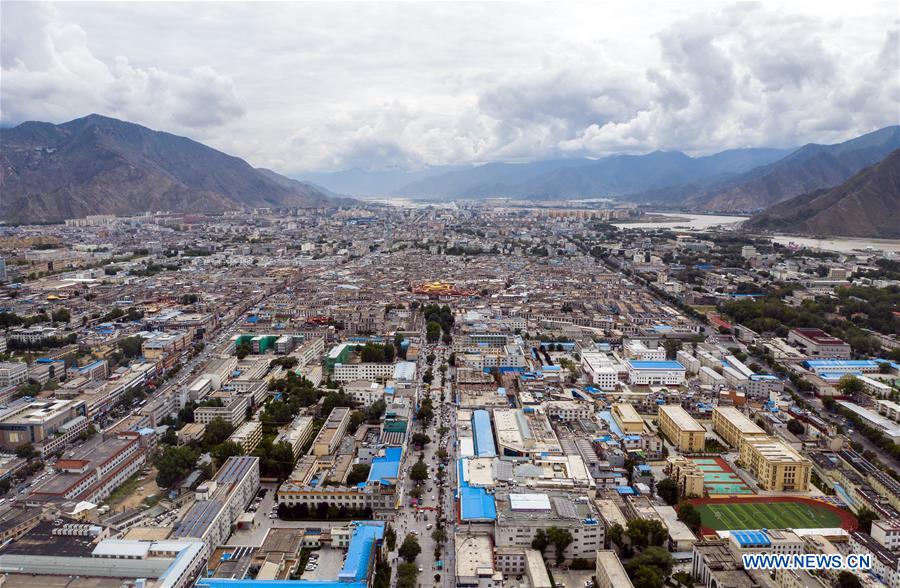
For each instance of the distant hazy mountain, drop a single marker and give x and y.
(810, 168)
(613, 176)
(867, 205)
(490, 179)
(101, 165)
(360, 182)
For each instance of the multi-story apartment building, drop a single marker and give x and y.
(220, 502)
(248, 436)
(887, 532)
(655, 373)
(628, 419)
(609, 571)
(776, 465)
(568, 410)
(348, 372)
(12, 373)
(885, 563)
(234, 411)
(733, 426)
(298, 433)
(687, 475)
(520, 515)
(332, 432)
(604, 373)
(681, 429)
(93, 474)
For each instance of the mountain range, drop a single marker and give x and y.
(739, 180)
(866, 205)
(101, 165)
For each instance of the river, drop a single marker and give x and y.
(701, 222)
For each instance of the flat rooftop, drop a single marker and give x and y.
(682, 419)
(739, 420)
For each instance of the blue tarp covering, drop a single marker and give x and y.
(385, 468)
(483, 434)
(359, 553)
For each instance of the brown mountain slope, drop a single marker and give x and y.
(867, 205)
(100, 165)
(812, 167)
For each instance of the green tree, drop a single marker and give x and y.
(131, 346)
(654, 557)
(173, 464)
(646, 577)
(615, 534)
(865, 517)
(390, 538)
(242, 350)
(540, 541)
(796, 427)
(358, 473)
(690, 516)
(421, 439)
(850, 385)
(560, 538)
(419, 472)
(847, 579)
(407, 575)
(668, 491)
(26, 451)
(223, 451)
(672, 346)
(216, 432)
(409, 549)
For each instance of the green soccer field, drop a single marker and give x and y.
(766, 515)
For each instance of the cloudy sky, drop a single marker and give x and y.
(317, 87)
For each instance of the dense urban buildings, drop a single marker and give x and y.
(532, 397)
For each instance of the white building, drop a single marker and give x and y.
(638, 350)
(655, 373)
(602, 371)
(12, 373)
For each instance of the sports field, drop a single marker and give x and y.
(767, 514)
(719, 478)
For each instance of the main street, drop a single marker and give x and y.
(420, 520)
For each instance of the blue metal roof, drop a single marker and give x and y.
(625, 490)
(227, 583)
(385, 468)
(839, 363)
(483, 435)
(751, 538)
(655, 365)
(360, 550)
(476, 505)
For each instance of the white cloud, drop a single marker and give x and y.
(312, 86)
(50, 73)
